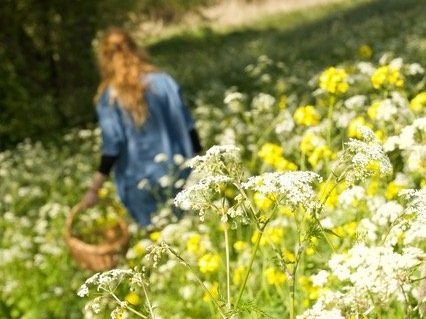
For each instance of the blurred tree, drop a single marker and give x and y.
(47, 71)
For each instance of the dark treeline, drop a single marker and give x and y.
(47, 68)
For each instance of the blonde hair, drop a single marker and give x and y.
(121, 64)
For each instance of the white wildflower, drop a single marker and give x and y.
(263, 102)
(355, 102)
(366, 158)
(320, 279)
(292, 188)
(218, 160)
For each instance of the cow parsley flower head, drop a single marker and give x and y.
(376, 270)
(104, 280)
(365, 158)
(200, 196)
(291, 188)
(218, 160)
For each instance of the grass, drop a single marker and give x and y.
(208, 61)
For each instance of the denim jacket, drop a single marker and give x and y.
(166, 130)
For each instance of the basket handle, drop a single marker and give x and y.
(68, 222)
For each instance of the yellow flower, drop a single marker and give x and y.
(365, 51)
(319, 153)
(285, 211)
(310, 251)
(270, 153)
(275, 276)
(155, 236)
(306, 115)
(262, 201)
(139, 249)
(392, 190)
(373, 187)
(418, 102)
(238, 275)
(103, 192)
(334, 80)
(283, 164)
(350, 228)
(213, 291)
(355, 125)
(387, 77)
(309, 142)
(380, 135)
(240, 245)
(274, 235)
(327, 189)
(209, 263)
(372, 110)
(193, 243)
(133, 298)
(288, 256)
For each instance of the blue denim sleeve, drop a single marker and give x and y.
(112, 132)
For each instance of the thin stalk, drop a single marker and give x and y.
(206, 290)
(256, 248)
(228, 278)
(151, 311)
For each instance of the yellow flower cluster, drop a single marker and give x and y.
(373, 109)
(312, 292)
(334, 80)
(155, 236)
(393, 189)
(387, 77)
(238, 275)
(319, 153)
(355, 125)
(329, 189)
(213, 291)
(272, 235)
(261, 201)
(306, 115)
(418, 102)
(309, 142)
(209, 263)
(271, 154)
(240, 245)
(275, 276)
(193, 243)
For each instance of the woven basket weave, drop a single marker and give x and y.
(96, 257)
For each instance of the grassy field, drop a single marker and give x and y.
(306, 41)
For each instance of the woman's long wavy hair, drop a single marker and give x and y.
(121, 64)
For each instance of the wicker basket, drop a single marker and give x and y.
(96, 257)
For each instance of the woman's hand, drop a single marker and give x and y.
(91, 197)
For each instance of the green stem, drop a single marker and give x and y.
(206, 290)
(253, 256)
(151, 311)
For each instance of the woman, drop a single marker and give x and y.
(141, 114)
